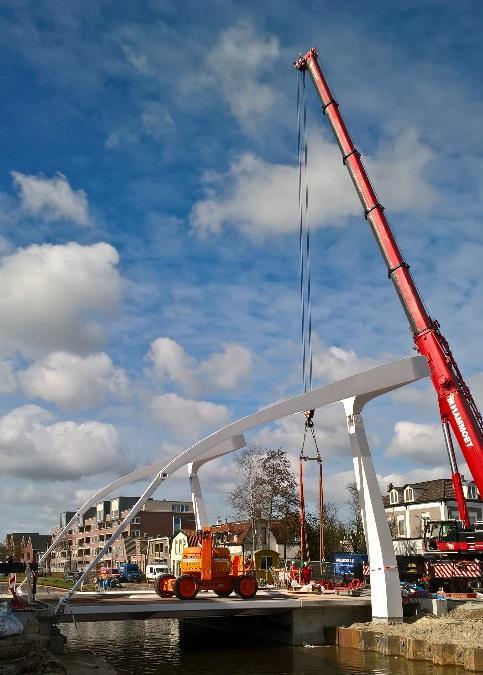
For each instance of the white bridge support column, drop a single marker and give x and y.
(385, 589)
(201, 515)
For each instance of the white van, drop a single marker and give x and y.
(153, 571)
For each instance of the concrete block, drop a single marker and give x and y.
(460, 653)
(428, 650)
(473, 659)
(368, 640)
(403, 646)
(348, 637)
(381, 643)
(433, 606)
(393, 646)
(416, 650)
(444, 655)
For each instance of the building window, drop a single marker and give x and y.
(266, 562)
(136, 520)
(401, 526)
(176, 524)
(408, 495)
(180, 508)
(471, 491)
(393, 497)
(136, 533)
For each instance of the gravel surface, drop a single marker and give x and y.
(462, 626)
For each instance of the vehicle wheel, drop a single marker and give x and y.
(246, 586)
(160, 585)
(224, 594)
(186, 587)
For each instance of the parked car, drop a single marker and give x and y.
(153, 571)
(129, 572)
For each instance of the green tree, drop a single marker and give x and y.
(354, 527)
(334, 532)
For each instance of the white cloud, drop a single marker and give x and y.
(8, 377)
(398, 172)
(186, 419)
(157, 120)
(334, 363)
(422, 398)
(32, 445)
(223, 371)
(235, 67)
(287, 433)
(422, 443)
(73, 381)
(260, 198)
(52, 295)
(52, 198)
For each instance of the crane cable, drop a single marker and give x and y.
(306, 315)
(304, 235)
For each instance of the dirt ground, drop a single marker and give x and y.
(462, 626)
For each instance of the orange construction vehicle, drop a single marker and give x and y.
(208, 568)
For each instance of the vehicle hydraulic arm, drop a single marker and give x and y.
(456, 404)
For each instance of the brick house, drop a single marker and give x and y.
(409, 507)
(26, 547)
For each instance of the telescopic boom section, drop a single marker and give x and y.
(455, 401)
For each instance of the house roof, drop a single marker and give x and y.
(40, 541)
(34, 536)
(191, 535)
(426, 491)
(235, 533)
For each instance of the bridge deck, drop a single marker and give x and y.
(111, 606)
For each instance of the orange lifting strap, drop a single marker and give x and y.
(304, 544)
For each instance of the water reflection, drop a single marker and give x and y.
(169, 647)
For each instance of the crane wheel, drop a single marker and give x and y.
(161, 585)
(186, 587)
(246, 586)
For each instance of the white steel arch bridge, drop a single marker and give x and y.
(354, 392)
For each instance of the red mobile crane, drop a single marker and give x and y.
(457, 407)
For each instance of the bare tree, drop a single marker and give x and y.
(266, 488)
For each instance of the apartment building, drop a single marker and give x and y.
(158, 518)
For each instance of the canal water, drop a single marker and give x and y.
(163, 646)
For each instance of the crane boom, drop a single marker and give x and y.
(456, 403)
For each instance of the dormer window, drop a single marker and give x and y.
(408, 495)
(471, 491)
(393, 497)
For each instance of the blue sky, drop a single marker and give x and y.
(149, 253)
